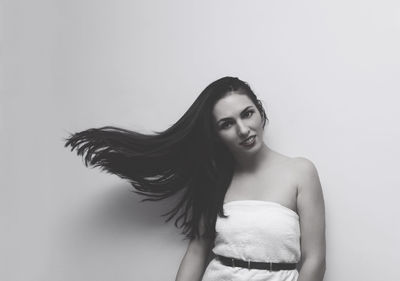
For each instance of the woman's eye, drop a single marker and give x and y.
(251, 113)
(225, 125)
(228, 123)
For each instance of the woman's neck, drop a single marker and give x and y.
(252, 163)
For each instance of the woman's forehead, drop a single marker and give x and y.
(231, 104)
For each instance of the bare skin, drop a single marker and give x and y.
(260, 172)
(273, 180)
(263, 174)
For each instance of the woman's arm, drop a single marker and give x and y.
(195, 259)
(311, 208)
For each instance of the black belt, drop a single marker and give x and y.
(272, 266)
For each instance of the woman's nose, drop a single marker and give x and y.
(242, 129)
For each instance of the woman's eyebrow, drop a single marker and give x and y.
(226, 118)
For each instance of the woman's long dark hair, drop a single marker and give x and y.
(188, 157)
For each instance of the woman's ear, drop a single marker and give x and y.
(261, 110)
(266, 122)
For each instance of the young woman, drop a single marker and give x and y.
(258, 213)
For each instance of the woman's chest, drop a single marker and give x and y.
(278, 185)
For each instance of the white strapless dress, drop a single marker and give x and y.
(255, 230)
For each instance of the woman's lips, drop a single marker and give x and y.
(252, 140)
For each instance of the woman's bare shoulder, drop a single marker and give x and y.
(302, 163)
(293, 162)
(304, 170)
(300, 168)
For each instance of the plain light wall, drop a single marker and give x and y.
(327, 72)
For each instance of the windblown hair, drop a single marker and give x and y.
(188, 157)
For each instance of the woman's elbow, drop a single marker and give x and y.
(318, 264)
(322, 265)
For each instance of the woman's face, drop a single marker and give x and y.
(236, 119)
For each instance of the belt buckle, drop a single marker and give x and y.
(248, 264)
(233, 262)
(270, 266)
